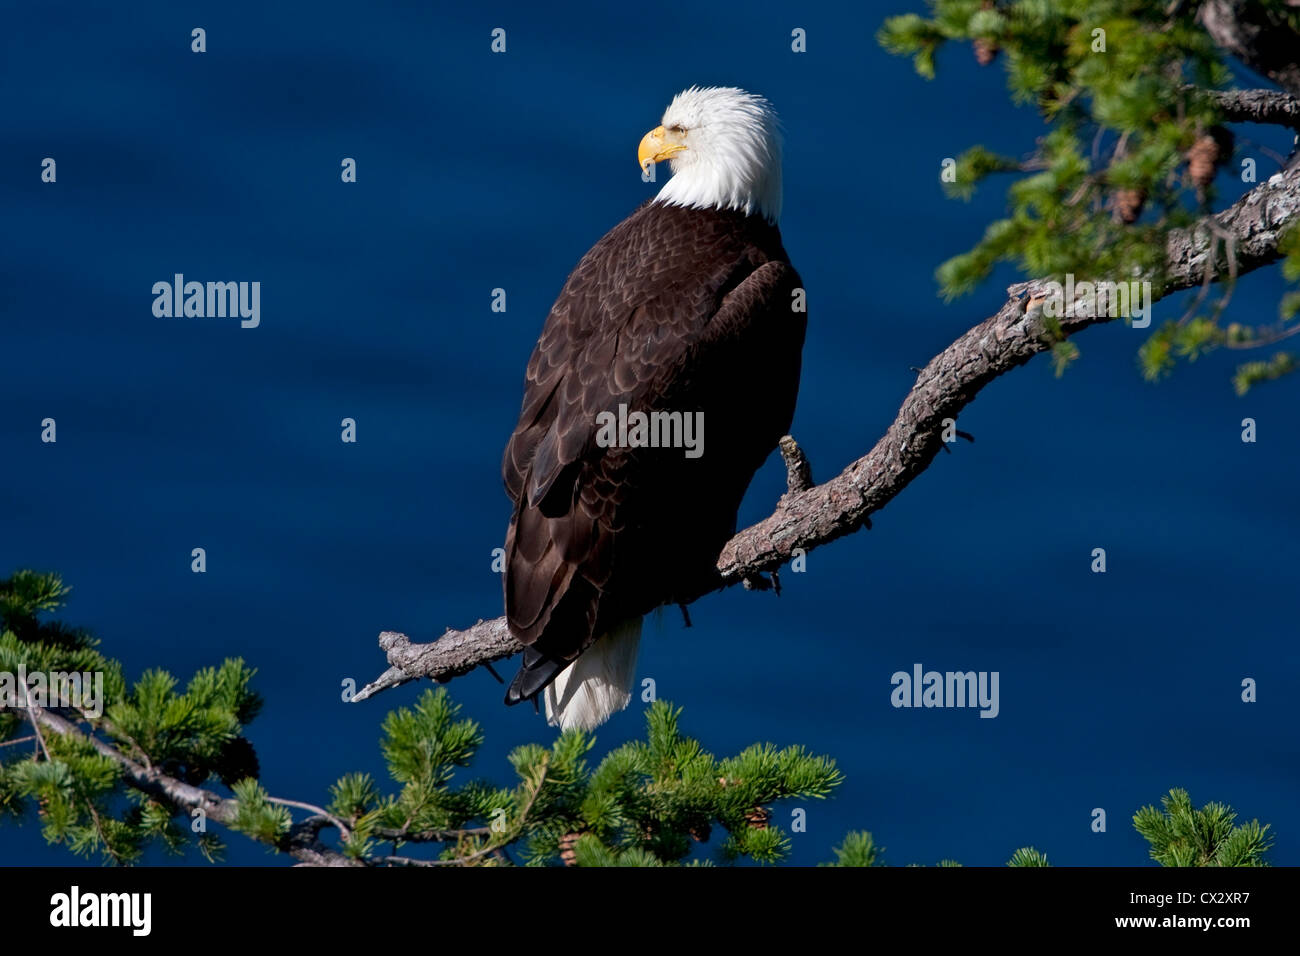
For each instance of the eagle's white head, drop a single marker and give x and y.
(724, 146)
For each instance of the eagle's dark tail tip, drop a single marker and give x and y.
(535, 673)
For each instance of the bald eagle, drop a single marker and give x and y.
(689, 314)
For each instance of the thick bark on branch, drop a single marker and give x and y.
(1260, 38)
(1258, 106)
(811, 517)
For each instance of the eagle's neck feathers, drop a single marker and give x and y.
(733, 154)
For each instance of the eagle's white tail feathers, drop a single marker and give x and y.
(599, 683)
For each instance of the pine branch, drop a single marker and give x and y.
(392, 834)
(302, 843)
(807, 519)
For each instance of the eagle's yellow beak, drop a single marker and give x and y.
(657, 145)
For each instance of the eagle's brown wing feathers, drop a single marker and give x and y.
(674, 310)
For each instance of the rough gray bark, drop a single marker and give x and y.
(1258, 106)
(1262, 39)
(808, 518)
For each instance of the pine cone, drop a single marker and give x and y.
(758, 817)
(986, 51)
(567, 854)
(701, 833)
(1210, 151)
(1128, 204)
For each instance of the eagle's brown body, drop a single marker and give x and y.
(676, 309)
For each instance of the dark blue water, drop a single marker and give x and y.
(479, 171)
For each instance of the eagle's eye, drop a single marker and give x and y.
(677, 129)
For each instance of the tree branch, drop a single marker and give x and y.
(303, 842)
(1257, 106)
(809, 518)
(1260, 38)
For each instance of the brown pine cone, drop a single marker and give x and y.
(758, 818)
(701, 833)
(567, 853)
(1210, 151)
(1128, 204)
(986, 51)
